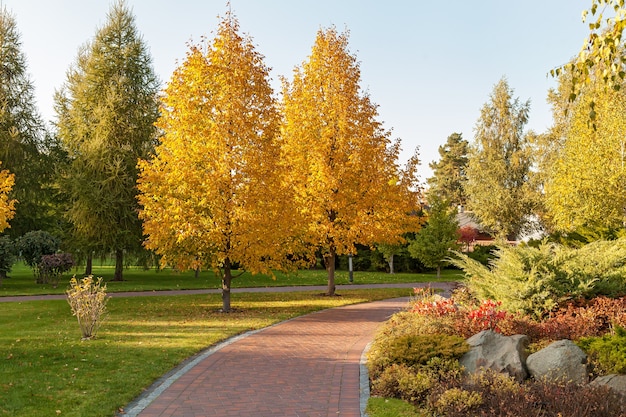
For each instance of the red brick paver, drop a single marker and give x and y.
(305, 367)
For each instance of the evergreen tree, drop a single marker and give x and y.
(449, 173)
(106, 112)
(438, 237)
(499, 188)
(24, 149)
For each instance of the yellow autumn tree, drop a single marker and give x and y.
(341, 164)
(585, 182)
(601, 57)
(211, 196)
(7, 205)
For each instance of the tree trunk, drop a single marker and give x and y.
(329, 259)
(227, 278)
(119, 265)
(438, 271)
(390, 262)
(89, 264)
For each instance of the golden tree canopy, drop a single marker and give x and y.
(343, 167)
(211, 196)
(585, 182)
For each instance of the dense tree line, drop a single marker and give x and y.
(232, 177)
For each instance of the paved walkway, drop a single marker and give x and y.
(305, 367)
(309, 366)
(446, 286)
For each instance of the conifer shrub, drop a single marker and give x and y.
(414, 383)
(414, 350)
(403, 382)
(418, 349)
(538, 280)
(607, 354)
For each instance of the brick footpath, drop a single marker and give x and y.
(305, 367)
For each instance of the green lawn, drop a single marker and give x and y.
(46, 370)
(21, 281)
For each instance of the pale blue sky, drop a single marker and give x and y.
(429, 65)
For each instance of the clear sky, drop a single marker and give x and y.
(429, 65)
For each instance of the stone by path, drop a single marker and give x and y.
(305, 367)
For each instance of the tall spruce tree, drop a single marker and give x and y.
(23, 139)
(449, 173)
(106, 112)
(498, 188)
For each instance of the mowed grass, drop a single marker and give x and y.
(22, 281)
(46, 370)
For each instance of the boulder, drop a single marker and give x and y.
(613, 381)
(561, 360)
(491, 350)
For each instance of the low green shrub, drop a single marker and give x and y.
(414, 350)
(418, 349)
(537, 280)
(35, 244)
(414, 383)
(607, 353)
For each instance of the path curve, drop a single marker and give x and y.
(307, 366)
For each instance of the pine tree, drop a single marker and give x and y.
(449, 173)
(340, 162)
(23, 144)
(106, 113)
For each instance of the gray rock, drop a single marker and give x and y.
(561, 360)
(491, 350)
(614, 381)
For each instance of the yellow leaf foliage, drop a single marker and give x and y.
(601, 54)
(212, 194)
(7, 205)
(343, 167)
(586, 180)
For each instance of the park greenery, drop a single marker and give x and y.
(46, 367)
(215, 178)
